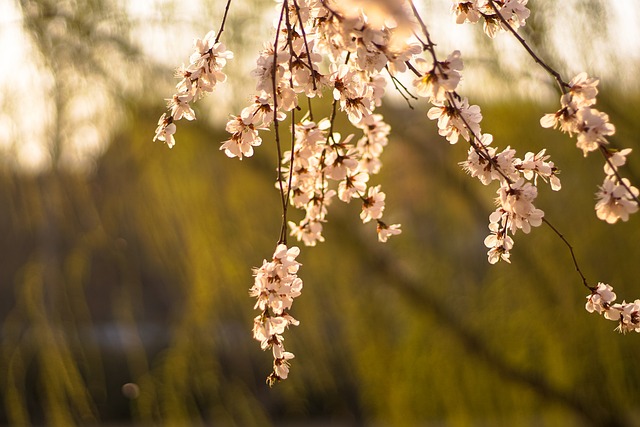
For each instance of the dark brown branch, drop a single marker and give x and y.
(561, 83)
(224, 19)
(276, 128)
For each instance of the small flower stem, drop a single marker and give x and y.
(425, 31)
(306, 46)
(401, 88)
(334, 106)
(561, 83)
(478, 148)
(571, 251)
(224, 19)
(473, 138)
(310, 109)
(283, 236)
(283, 229)
(607, 158)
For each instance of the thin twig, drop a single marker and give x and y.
(306, 45)
(276, 129)
(573, 255)
(479, 148)
(290, 28)
(561, 83)
(224, 19)
(401, 88)
(607, 158)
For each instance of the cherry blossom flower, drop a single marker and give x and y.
(179, 107)
(308, 231)
(373, 204)
(261, 111)
(498, 242)
(352, 185)
(600, 299)
(385, 231)
(281, 365)
(615, 160)
(583, 90)
(457, 120)
(514, 12)
(593, 126)
(339, 166)
(198, 78)
(165, 130)
(614, 200)
(465, 11)
(565, 118)
(346, 83)
(627, 315)
(517, 200)
(244, 136)
(440, 79)
(483, 162)
(371, 145)
(536, 165)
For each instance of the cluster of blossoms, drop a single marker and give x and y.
(319, 159)
(617, 198)
(517, 177)
(626, 314)
(275, 286)
(322, 163)
(363, 52)
(514, 12)
(196, 79)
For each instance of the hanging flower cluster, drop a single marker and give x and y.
(617, 198)
(275, 286)
(337, 50)
(322, 163)
(518, 178)
(196, 79)
(514, 12)
(626, 314)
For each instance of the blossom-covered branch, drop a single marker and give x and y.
(617, 198)
(197, 79)
(339, 50)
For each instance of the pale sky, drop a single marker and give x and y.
(167, 39)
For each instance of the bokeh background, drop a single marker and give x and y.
(125, 266)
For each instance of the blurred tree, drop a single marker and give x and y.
(127, 264)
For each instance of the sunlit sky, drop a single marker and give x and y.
(167, 40)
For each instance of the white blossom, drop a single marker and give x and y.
(593, 126)
(373, 204)
(614, 200)
(385, 231)
(244, 136)
(165, 130)
(455, 120)
(600, 299)
(584, 90)
(616, 159)
(436, 81)
(196, 79)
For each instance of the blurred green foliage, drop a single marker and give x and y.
(139, 274)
